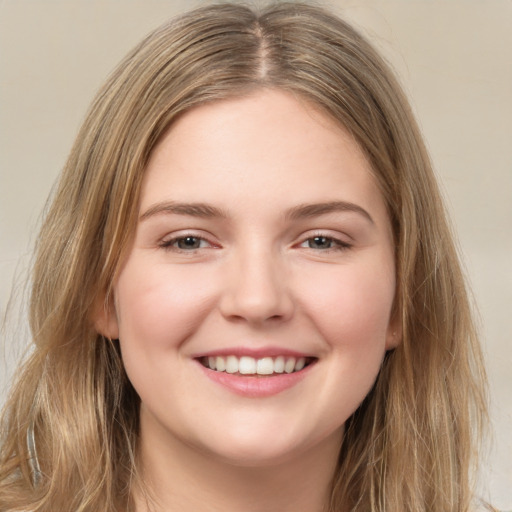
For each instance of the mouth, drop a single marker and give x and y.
(256, 367)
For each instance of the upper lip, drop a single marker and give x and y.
(256, 353)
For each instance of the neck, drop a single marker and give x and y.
(181, 478)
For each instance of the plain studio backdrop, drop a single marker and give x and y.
(454, 59)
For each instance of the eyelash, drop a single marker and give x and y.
(170, 244)
(335, 244)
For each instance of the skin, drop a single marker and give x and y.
(253, 277)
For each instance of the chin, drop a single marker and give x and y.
(255, 456)
(255, 447)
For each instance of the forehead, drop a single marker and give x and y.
(265, 148)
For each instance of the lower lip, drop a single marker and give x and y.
(256, 387)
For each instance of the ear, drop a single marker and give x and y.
(394, 334)
(105, 317)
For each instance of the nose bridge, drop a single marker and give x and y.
(257, 286)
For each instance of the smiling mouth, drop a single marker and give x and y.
(250, 366)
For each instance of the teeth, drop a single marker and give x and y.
(289, 366)
(265, 366)
(279, 364)
(220, 364)
(250, 366)
(231, 364)
(301, 362)
(247, 365)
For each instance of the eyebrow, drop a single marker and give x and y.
(204, 210)
(192, 209)
(314, 210)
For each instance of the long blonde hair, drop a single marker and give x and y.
(411, 445)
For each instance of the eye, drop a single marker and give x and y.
(185, 243)
(324, 243)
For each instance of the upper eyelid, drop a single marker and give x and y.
(327, 233)
(183, 233)
(167, 241)
(181, 237)
(337, 241)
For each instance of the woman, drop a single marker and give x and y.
(246, 294)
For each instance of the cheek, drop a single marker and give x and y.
(158, 306)
(351, 305)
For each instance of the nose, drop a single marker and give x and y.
(256, 289)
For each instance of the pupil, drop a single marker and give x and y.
(321, 242)
(189, 242)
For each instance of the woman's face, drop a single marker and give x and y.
(253, 310)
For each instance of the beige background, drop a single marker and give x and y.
(455, 60)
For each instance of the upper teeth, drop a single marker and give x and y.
(249, 365)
